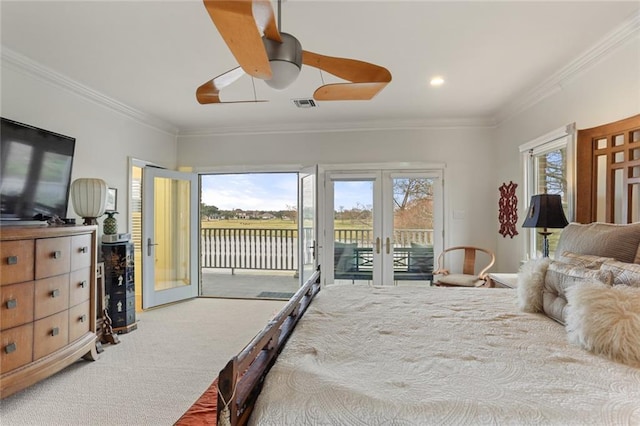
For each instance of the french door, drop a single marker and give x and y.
(383, 226)
(307, 223)
(170, 220)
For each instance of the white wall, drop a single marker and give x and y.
(105, 139)
(606, 92)
(467, 153)
(478, 160)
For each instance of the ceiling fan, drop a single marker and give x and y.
(249, 29)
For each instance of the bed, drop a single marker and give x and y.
(561, 349)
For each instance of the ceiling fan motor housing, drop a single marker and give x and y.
(285, 60)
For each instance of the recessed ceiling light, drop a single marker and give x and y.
(437, 81)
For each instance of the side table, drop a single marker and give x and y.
(503, 280)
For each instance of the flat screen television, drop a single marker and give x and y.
(35, 173)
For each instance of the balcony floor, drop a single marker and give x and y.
(249, 284)
(261, 284)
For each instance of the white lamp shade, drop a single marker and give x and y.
(284, 73)
(89, 197)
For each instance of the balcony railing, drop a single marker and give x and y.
(276, 249)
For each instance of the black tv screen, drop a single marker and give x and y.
(35, 172)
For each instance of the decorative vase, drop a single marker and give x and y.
(110, 224)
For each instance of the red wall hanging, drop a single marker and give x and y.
(508, 209)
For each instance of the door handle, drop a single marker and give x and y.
(313, 249)
(149, 246)
(388, 245)
(378, 245)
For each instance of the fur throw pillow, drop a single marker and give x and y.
(605, 320)
(530, 284)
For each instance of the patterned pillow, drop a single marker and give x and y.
(623, 273)
(560, 277)
(583, 260)
(620, 242)
(605, 320)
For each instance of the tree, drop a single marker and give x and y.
(413, 203)
(208, 211)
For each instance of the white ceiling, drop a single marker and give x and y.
(152, 55)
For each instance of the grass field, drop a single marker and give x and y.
(273, 224)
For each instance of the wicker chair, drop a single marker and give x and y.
(468, 277)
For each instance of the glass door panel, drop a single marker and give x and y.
(170, 219)
(413, 223)
(307, 220)
(356, 245)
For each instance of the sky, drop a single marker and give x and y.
(271, 192)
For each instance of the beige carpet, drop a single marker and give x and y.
(153, 375)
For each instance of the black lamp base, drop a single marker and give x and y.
(545, 242)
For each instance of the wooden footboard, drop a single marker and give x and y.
(240, 382)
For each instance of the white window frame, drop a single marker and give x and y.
(563, 137)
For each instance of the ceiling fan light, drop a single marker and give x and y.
(284, 73)
(285, 60)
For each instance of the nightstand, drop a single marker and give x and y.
(503, 280)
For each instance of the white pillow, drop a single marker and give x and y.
(605, 320)
(530, 284)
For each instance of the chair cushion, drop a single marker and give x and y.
(460, 280)
(421, 259)
(344, 256)
(621, 242)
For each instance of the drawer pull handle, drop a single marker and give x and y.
(55, 331)
(82, 284)
(83, 318)
(12, 260)
(55, 293)
(84, 249)
(57, 254)
(12, 303)
(11, 347)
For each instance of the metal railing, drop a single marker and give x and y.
(277, 249)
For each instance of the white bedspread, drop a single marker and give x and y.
(421, 356)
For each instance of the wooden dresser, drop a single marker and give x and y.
(48, 296)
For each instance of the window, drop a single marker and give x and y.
(548, 168)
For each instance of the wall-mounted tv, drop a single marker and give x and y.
(35, 172)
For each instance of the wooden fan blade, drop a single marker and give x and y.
(367, 79)
(241, 24)
(209, 92)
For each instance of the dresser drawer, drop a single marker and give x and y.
(79, 286)
(79, 321)
(51, 296)
(53, 256)
(50, 334)
(17, 304)
(16, 347)
(81, 253)
(17, 261)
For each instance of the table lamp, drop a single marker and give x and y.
(89, 197)
(545, 211)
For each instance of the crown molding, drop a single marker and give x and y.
(351, 126)
(614, 39)
(24, 65)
